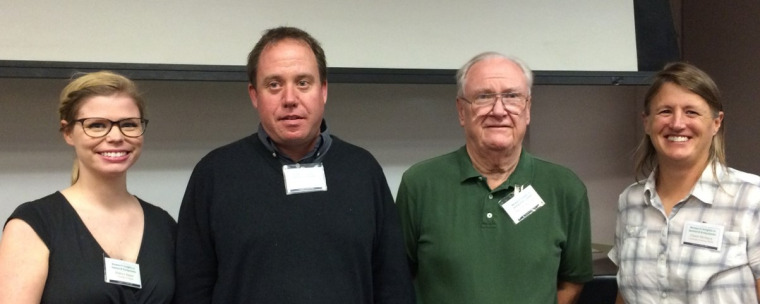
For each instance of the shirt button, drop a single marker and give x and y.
(489, 215)
(664, 295)
(490, 196)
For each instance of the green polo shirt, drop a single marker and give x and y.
(464, 248)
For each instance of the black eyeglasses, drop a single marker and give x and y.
(98, 127)
(513, 102)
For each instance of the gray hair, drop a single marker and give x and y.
(461, 75)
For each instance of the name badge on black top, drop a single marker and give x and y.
(304, 178)
(122, 273)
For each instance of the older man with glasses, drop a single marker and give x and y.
(489, 222)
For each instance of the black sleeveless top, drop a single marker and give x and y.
(76, 264)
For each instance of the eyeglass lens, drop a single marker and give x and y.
(514, 103)
(99, 127)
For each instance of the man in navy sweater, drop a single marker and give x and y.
(290, 214)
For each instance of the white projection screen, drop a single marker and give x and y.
(583, 35)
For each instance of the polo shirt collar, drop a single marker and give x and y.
(523, 174)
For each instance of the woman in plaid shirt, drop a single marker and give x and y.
(688, 233)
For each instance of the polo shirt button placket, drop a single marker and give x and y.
(488, 210)
(489, 214)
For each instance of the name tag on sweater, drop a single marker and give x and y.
(304, 178)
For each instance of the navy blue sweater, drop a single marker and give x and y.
(241, 239)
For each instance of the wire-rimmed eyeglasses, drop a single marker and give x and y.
(98, 127)
(514, 102)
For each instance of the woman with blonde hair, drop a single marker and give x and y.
(689, 232)
(92, 242)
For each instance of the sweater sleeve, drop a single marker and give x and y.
(196, 262)
(392, 280)
(404, 204)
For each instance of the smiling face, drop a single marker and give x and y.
(494, 128)
(289, 95)
(111, 155)
(681, 126)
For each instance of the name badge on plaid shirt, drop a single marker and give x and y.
(702, 235)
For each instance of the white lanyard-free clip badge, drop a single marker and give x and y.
(304, 178)
(122, 273)
(525, 201)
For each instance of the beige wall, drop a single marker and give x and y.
(592, 130)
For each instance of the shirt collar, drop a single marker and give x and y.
(649, 187)
(708, 183)
(523, 174)
(314, 156)
(704, 190)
